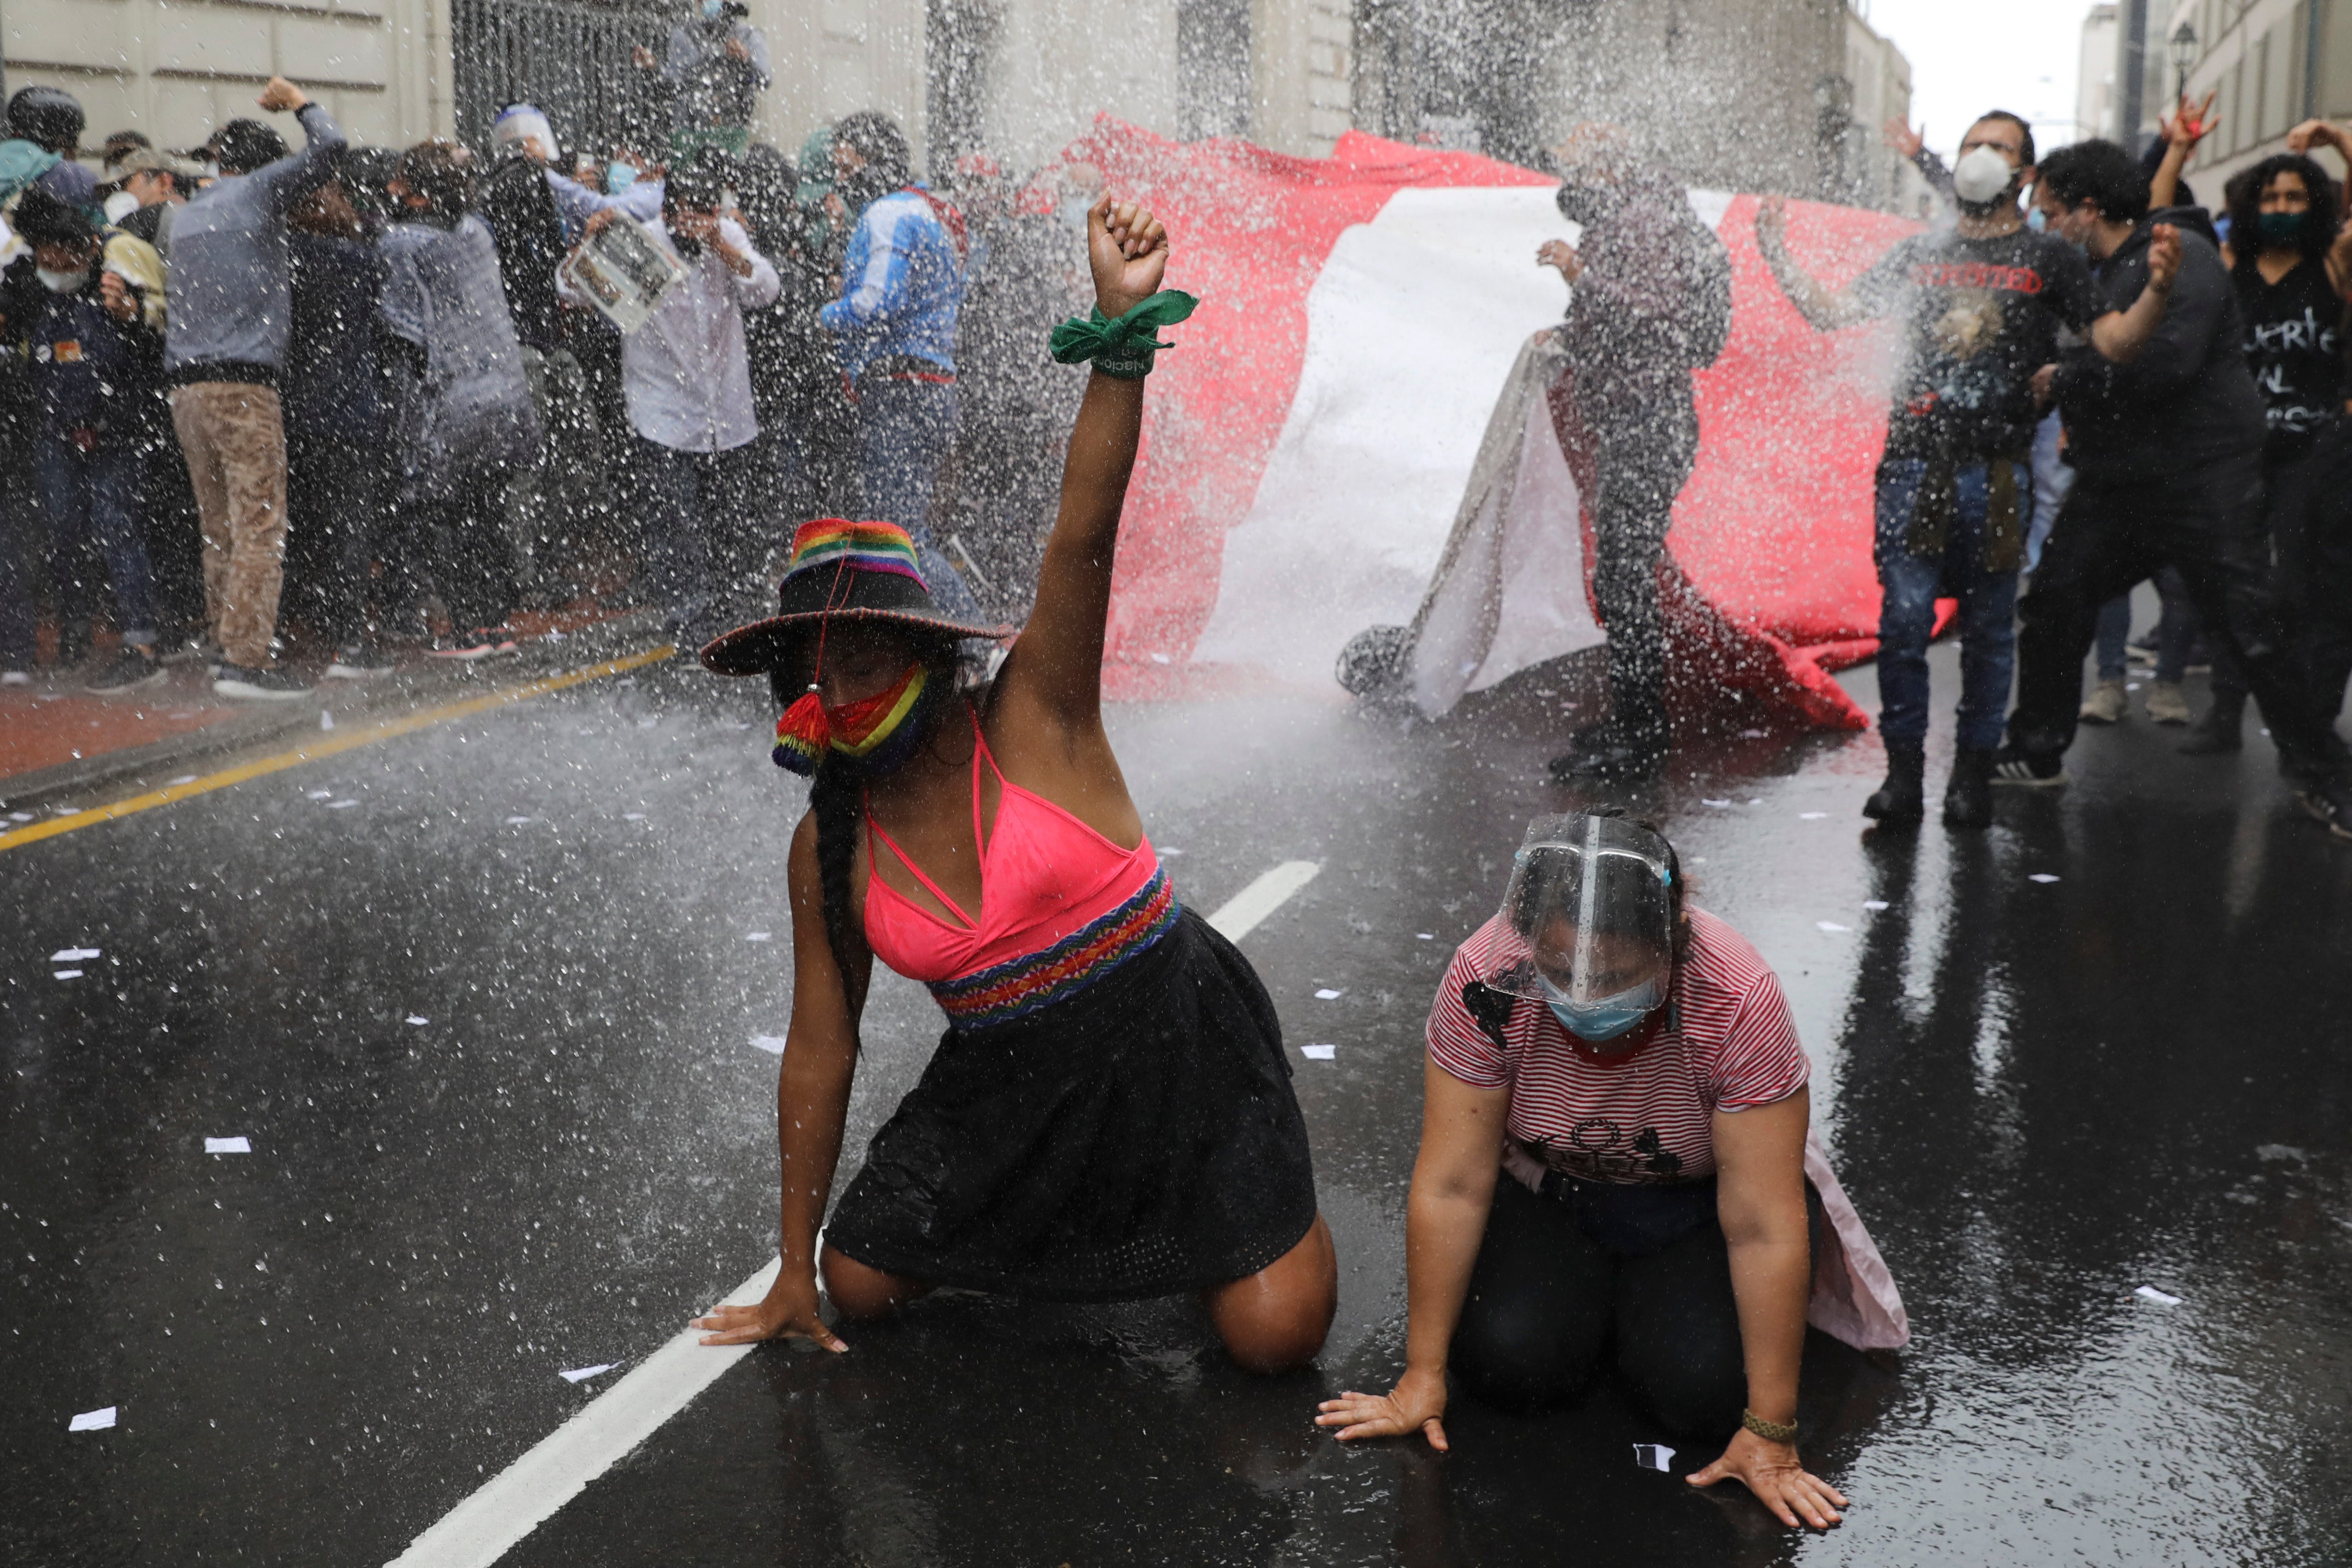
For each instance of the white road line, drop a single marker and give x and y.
(514, 1503)
(519, 1499)
(1243, 910)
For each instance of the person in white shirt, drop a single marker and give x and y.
(687, 382)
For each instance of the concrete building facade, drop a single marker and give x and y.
(2274, 63)
(1780, 95)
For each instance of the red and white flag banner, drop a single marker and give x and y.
(1307, 446)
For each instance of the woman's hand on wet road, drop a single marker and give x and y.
(1778, 1477)
(1413, 1405)
(788, 1312)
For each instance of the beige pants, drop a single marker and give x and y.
(234, 441)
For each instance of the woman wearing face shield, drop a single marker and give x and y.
(1109, 1114)
(1615, 1168)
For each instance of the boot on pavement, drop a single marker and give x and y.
(2168, 704)
(2107, 704)
(1967, 796)
(1903, 799)
(2217, 734)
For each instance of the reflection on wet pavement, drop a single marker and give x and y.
(2042, 1095)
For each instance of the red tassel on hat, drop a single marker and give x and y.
(803, 732)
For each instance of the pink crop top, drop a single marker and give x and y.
(1049, 884)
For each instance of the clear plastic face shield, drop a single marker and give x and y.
(1590, 901)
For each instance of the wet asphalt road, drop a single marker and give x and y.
(506, 1120)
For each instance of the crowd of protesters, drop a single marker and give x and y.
(302, 411)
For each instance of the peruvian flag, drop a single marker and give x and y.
(1354, 431)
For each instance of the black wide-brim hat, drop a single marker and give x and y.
(840, 570)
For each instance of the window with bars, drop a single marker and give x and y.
(571, 58)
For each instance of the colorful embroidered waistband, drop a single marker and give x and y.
(1020, 986)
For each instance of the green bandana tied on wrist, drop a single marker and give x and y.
(1122, 347)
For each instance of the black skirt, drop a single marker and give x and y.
(1138, 1138)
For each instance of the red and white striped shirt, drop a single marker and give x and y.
(1725, 1043)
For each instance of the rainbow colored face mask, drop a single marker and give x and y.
(876, 734)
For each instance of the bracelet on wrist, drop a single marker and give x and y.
(1122, 346)
(1771, 1431)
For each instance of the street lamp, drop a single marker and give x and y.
(2183, 51)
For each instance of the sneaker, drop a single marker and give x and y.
(358, 660)
(468, 647)
(2142, 654)
(2328, 801)
(2010, 766)
(2107, 704)
(2167, 705)
(128, 670)
(260, 686)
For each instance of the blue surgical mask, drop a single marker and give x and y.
(619, 177)
(2036, 221)
(1607, 1018)
(713, 8)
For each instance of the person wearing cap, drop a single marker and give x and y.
(231, 319)
(716, 65)
(1615, 1166)
(1109, 1114)
(93, 356)
(159, 186)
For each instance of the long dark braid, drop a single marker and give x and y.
(838, 802)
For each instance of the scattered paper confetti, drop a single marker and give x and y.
(319, 794)
(183, 778)
(228, 1145)
(1877, 903)
(1327, 994)
(757, 936)
(647, 723)
(773, 1044)
(1424, 936)
(1719, 804)
(581, 1374)
(1161, 659)
(1832, 925)
(2151, 1293)
(2279, 1152)
(633, 816)
(93, 1420)
(73, 955)
(418, 1019)
(519, 821)
(67, 975)
(1166, 851)
(20, 816)
(1754, 734)
(2042, 876)
(1653, 1455)
(1756, 800)
(326, 719)
(341, 805)
(1811, 816)
(1318, 1052)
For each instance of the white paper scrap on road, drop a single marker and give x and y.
(482, 1529)
(1240, 915)
(1424, 936)
(319, 794)
(1715, 803)
(326, 719)
(2279, 1152)
(1327, 994)
(228, 1145)
(1653, 1455)
(73, 955)
(758, 937)
(773, 1044)
(582, 1373)
(2042, 876)
(517, 822)
(2151, 1293)
(22, 816)
(1318, 1052)
(633, 816)
(341, 805)
(1810, 815)
(183, 778)
(1877, 903)
(67, 975)
(93, 1420)
(418, 1019)
(1832, 925)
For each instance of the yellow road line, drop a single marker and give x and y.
(327, 746)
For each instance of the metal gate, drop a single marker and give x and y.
(571, 58)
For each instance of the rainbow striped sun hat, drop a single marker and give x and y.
(847, 571)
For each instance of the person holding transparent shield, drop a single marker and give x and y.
(1615, 1165)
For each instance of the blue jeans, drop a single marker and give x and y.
(2115, 634)
(905, 431)
(2053, 477)
(1906, 616)
(97, 492)
(684, 495)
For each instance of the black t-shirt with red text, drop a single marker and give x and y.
(1980, 315)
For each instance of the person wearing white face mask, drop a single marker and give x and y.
(1983, 304)
(1614, 1148)
(716, 66)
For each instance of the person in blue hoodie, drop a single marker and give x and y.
(91, 356)
(895, 327)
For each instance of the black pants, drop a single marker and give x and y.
(458, 544)
(1640, 471)
(337, 533)
(2109, 536)
(2287, 490)
(2319, 565)
(1547, 1300)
